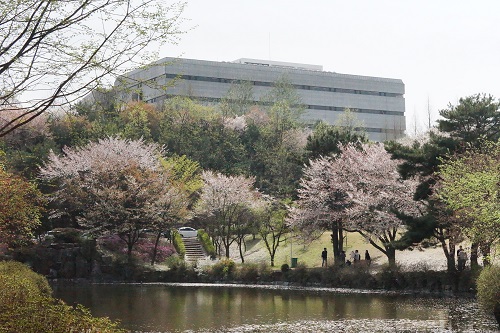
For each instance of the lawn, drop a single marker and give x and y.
(308, 254)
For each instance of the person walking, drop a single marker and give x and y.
(324, 256)
(462, 259)
(357, 256)
(368, 259)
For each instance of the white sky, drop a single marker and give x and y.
(441, 49)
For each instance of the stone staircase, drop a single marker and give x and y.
(194, 250)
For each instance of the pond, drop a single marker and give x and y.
(181, 307)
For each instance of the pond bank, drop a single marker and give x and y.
(361, 278)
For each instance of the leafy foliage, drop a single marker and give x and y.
(488, 290)
(463, 126)
(26, 306)
(179, 244)
(206, 242)
(469, 185)
(326, 140)
(114, 186)
(224, 200)
(20, 209)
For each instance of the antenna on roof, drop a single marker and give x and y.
(269, 45)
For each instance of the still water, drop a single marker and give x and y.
(233, 308)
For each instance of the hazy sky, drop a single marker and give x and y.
(441, 49)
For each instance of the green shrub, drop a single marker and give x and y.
(26, 306)
(299, 274)
(179, 244)
(180, 271)
(355, 276)
(488, 290)
(206, 242)
(247, 273)
(222, 270)
(66, 235)
(285, 268)
(265, 272)
(175, 262)
(391, 277)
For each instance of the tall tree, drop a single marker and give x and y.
(467, 124)
(469, 185)
(26, 148)
(21, 205)
(379, 194)
(326, 139)
(284, 106)
(56, 51)
(273, 228)
(358, 190)
(184, 181)
(115, 186)
(322, 203)
(238, 100)
(473, 119)
(226, 199)
(279, 146)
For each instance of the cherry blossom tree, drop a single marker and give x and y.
(226, 200)
(357, 190)
(322, 203)
(113, 186)
(373, 184)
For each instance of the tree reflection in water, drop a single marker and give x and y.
(236, 308)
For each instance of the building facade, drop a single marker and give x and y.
(378, 102)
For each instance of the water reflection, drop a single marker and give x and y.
(212, 308)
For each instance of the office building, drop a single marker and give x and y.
(377, 102)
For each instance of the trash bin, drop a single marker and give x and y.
(294, 262)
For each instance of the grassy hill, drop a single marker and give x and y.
(310, 254)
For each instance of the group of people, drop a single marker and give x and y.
(354, 257)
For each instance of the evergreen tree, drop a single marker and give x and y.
(467, 124)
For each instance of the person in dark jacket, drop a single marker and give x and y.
(368, 259)
(324, 256)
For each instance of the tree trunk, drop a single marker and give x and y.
(391, 256)
(155, 249)
(337, 239)
(341, 244)
(227, 250)
(241, 251)
(450, 258)
(272, 260)
(449, 250)
(473, 255)
(129, 252)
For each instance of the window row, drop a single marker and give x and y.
(270, 84)
(215, 100)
